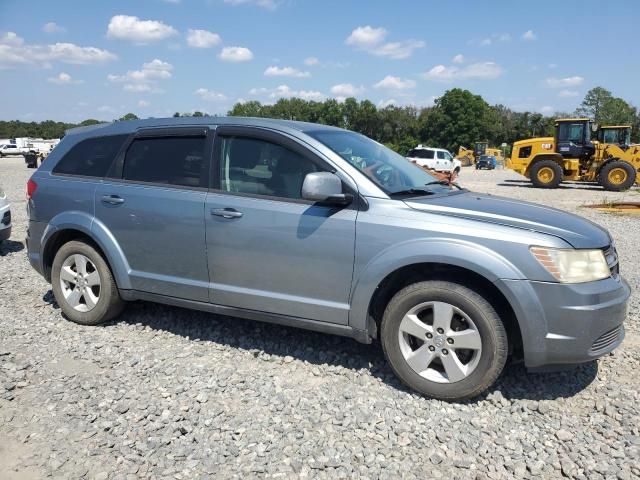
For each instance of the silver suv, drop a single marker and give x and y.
(321, 228)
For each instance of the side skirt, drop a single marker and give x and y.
(324, 327)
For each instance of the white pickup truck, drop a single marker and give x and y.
(12, 149)
(437, 159)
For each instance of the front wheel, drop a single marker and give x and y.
(443, 340)
(546, 174)
(83, 285)
(617, 176)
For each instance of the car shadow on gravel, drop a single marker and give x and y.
(323, 349)
(10, 246)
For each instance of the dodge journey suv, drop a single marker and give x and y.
(321, 228)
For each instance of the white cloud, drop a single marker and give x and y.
(127, 27)
(284, 91)
(268, 4)
(479, 71)
(311, 61)
(568, 93)
(395, 83)
(547, 109)
(53, 27)
(529, 36)
(210, 95)
(366, 37)
(346, 90)
(145, 79)
(202, 38)
(564, 82)
(143, 103)
(14, 52)
(285, 72)
(106, 109)
(371, 40)
(458, 58)
(386, 103)
(552, 65)
(235, 54)
(63, 79)
(495, 38)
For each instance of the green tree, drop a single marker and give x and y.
(594, 102)
(128, 116)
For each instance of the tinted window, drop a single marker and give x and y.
(441, 155)
(421, 153)
(91, 157)
(167, 160)
(250, 165)
(572, 132)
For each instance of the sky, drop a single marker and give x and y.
(72, 60)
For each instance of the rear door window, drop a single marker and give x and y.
(91, 157)
(171, 160)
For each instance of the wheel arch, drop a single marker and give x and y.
(556, 157)
(458, 261)
(80, 226)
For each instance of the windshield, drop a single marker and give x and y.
(390, 171)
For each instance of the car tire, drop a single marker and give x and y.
(546, 174)
(83, 285)
(433, 365)
(617, 176)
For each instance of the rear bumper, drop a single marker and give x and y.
(564, 324)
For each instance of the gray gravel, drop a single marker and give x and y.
(171, 393)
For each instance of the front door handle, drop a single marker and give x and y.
(112, 199)
(226, 212)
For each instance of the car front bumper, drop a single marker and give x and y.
(564, 324)
(5, 223)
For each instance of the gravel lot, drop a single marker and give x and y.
(171, 393)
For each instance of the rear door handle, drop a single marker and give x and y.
(226, 212)
(112, 199)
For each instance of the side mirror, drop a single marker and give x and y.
(325, 187)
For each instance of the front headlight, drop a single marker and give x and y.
(572, 266)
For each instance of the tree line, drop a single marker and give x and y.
(457, 118)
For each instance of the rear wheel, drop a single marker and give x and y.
(546, 174)
(617, 176)
(83, 285)
(443, 340)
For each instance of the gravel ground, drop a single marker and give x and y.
(170, 393)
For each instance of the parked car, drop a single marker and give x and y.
(321, 228)
(5, 216)
(486, 161)
(437, 159)
(9, 149)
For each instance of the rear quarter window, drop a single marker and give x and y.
(91, 157)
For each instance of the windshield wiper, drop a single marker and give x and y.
(413, 191)
(443, 182)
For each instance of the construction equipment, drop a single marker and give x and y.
(572, 155)
(468, 157)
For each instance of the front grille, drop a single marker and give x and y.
(611, 255)
(6, 218)
(604, 341)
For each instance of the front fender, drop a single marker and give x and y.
(459, 253)
(97, 231)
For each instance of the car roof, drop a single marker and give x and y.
(130, 126)
(422, 147)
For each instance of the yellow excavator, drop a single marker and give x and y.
(468, 156)
(571, 154)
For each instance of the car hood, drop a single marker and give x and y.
(575, 230)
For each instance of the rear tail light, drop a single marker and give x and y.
(31, 189)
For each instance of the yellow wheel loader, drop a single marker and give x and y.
(468, 157)
(572, 155)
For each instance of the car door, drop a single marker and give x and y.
(268, 249)
(153, 204)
